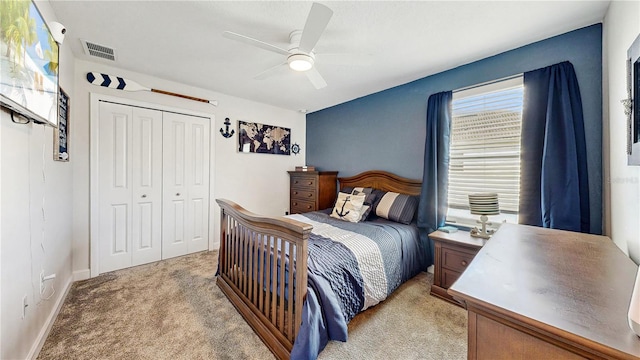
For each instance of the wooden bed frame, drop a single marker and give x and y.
(249, 274)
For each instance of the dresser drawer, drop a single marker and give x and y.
(455, 259)
(301, 206)
(303, 194)
(303, 182)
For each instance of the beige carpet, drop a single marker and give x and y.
(173, 310)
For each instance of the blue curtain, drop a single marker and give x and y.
(554, 189)
(432, 209)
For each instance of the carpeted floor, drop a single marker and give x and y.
(173, 310)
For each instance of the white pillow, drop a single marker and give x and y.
(349, 207)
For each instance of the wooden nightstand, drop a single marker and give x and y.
(453, 253)
(312, 190)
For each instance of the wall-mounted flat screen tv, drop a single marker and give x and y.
(28, 63)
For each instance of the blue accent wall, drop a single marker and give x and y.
(386, 130)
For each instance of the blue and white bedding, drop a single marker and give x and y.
(352, 266)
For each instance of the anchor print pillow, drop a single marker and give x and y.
(349, 207)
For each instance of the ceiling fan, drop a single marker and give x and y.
(299, 55)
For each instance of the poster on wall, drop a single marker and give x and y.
(61, 133)
(264, 139)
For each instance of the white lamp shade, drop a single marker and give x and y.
(484, 204)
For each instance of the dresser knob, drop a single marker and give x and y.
(310, 195)
(144, 196)
(177, 194)
(464, 263)
(310, 183)
(295, 204)
(295, 193)
(309, 206)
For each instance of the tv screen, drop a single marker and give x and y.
(28, 63)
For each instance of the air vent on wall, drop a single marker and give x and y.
(101, 51)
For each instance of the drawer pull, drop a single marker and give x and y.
(295, 193)
(310, 195)
(295, 204)
(309, 206)
(310, 183)
(464, 262)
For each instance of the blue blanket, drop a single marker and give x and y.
(351, 267)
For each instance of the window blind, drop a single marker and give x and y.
(485, 144)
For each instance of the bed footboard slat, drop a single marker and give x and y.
(273, 281)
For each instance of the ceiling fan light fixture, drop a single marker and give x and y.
(300, 62)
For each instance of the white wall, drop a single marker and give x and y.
(622, 183)
(258, 182)
(29, 243)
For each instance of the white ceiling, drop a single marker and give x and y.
(368, 46)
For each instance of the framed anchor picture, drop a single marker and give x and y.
(631, 108)
(61, 133)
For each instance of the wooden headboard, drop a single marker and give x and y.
(382, 180)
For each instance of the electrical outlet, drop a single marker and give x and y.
(41, 282)
(24, 306)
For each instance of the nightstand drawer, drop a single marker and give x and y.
(303, 182)
(456, 260)
(303, 194)
(449, 277)
(301, 206)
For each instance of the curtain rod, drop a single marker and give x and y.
(488, 82)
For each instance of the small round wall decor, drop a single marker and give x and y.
(295, 148)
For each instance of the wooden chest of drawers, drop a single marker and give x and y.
(453, 253)
(312, 190)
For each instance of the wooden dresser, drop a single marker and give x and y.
(312, 190)
(453, 253)
(535, 293)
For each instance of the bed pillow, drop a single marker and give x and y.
(378, 194)
(369, 200)
(348, 207)
(397, 207)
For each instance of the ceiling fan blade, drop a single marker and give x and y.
(270, 71)
(316, 79)
(254, 42)
(317, 21)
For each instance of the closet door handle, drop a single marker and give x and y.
(177, 194)
(144, 196)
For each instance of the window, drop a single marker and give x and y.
(485, 148)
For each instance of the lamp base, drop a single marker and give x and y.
(483, 233)
(475, 232)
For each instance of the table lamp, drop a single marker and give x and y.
(483, 204)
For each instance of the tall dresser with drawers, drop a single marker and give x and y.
(312, 190)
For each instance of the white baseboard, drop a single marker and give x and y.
(46, 328)
(81, 275)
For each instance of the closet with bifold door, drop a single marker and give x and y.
(152, 185)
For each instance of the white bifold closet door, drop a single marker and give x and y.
(153, 185)
(185, 224)
(129, 186)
